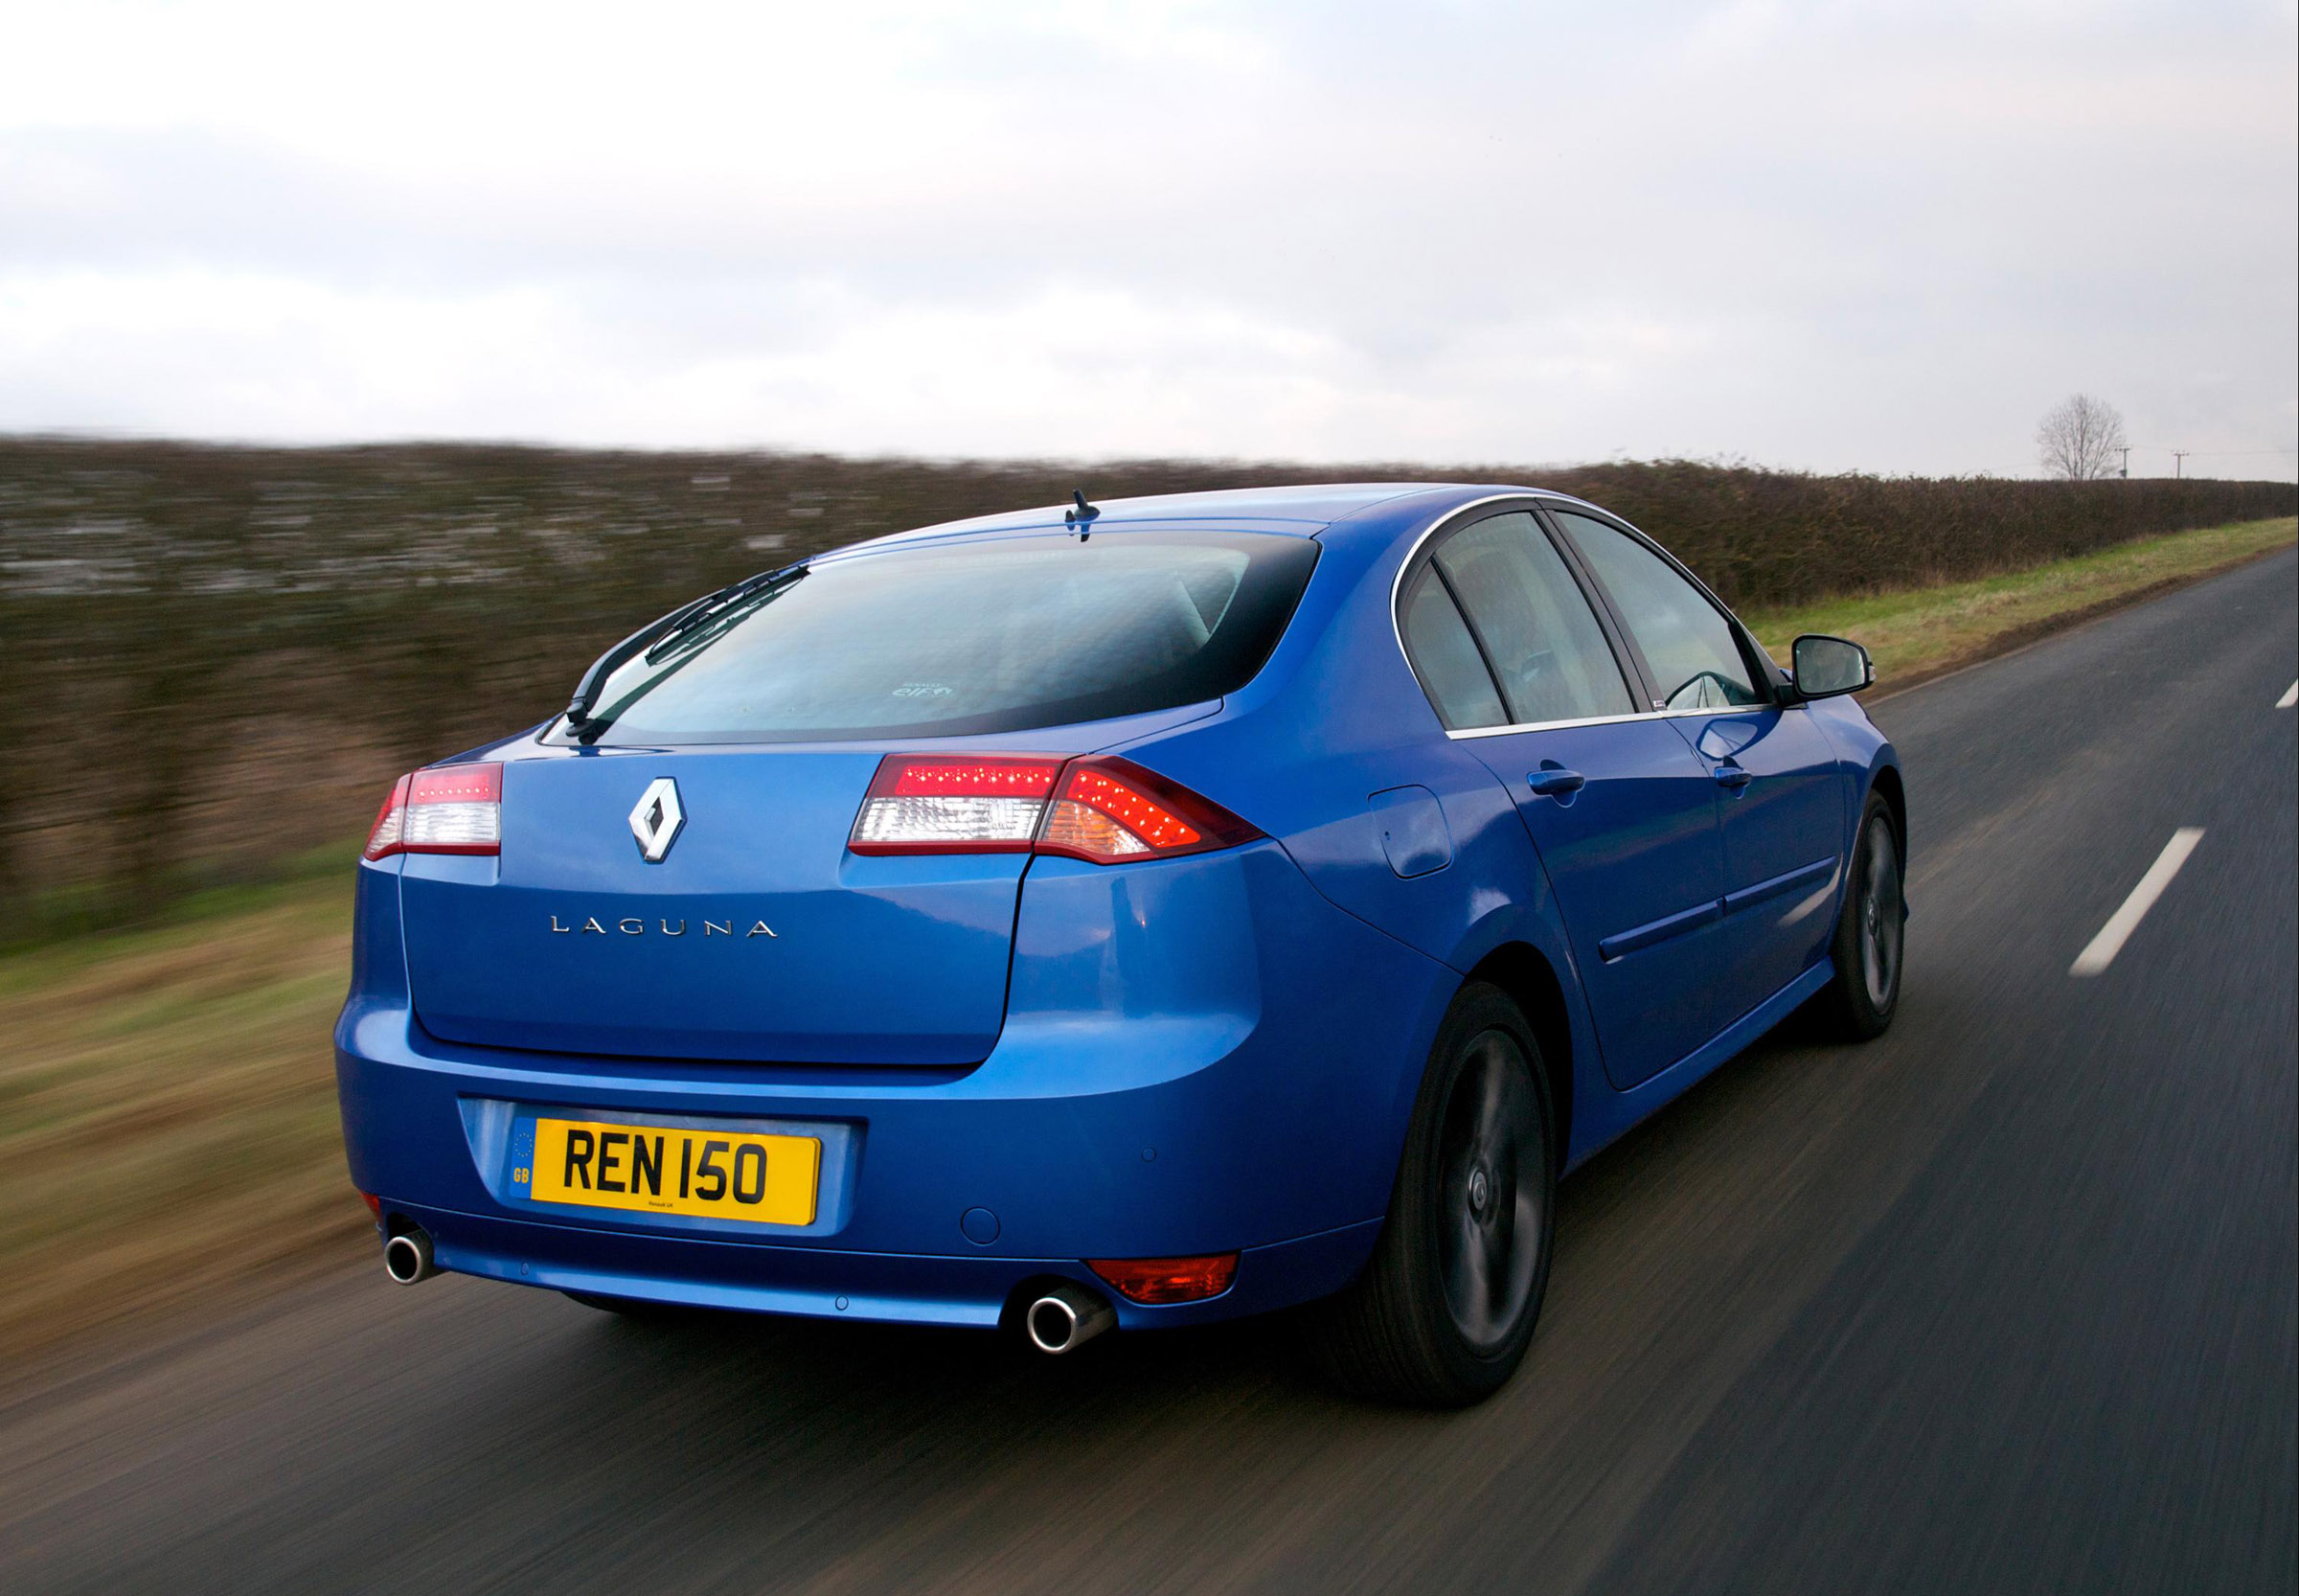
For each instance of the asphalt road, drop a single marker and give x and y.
(2007, 1301)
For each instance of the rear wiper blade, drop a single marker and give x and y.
(656, 635)
(721, 611)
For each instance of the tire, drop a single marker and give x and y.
(1871, 945)
(1442, 1315)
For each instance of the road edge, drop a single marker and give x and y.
(2028, 633)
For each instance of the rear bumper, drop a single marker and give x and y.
(830, 1283)
(1244, 1088)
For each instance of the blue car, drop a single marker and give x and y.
(1116, 916)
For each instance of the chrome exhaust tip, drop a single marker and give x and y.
(1065, 1318)
(408, 1258)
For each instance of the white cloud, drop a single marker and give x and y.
(1818, 234)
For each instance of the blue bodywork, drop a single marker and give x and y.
(1015, 1063)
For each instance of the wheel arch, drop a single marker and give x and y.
(1888, 783)
(1531, 982)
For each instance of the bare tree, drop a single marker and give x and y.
(2080, 439)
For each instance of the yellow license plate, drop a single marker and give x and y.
(718, 1174)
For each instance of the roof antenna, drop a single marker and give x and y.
(1082, 517)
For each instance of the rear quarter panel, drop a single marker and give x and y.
(1333, 720)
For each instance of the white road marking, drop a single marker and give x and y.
(2102, 949)
(2290, 697)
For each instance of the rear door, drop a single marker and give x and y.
(1782, 792)
(1623, 815)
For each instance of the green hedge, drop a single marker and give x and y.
(219, 654)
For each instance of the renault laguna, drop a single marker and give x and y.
(1116, 917)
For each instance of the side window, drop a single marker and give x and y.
(1542, 640)
(1689, 644)
(1445, 659)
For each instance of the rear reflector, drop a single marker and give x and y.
(1106, 810)
(450, 808)
(1156, 1280)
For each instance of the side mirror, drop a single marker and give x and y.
(1828, 666)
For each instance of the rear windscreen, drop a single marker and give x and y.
(969, 639)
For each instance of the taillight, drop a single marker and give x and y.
(946, 804)
(1112, 809)
(450, 808)
(1107, 810)
(391, 822)
(1154, 1280)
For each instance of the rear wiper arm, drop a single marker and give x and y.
(656, 633)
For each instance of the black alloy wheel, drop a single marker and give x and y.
(1443, 1314)
(1871, 944)
(1495, 1196)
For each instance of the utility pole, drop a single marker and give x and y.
(2178, 461)
(2125, 471)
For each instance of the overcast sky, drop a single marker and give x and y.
(1882, 236)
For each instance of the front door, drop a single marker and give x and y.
(1781, 791)
(1783, 812)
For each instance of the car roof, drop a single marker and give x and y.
(1315, 510)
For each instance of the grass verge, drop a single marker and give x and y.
(1920, 632)
(167, 1095)
(168, 1111)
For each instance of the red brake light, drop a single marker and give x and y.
(1154, 1280)
(991, 778)
(1106, 810)
(1112, 809)
(448, 808)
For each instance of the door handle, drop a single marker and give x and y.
(1556, 781)
(1732, 776)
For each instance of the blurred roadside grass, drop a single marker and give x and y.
(1920, 632)
(167, 1107)
(167, 1095)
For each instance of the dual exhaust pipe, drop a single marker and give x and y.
(1061, 1320)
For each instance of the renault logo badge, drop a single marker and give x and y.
(657, 821)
